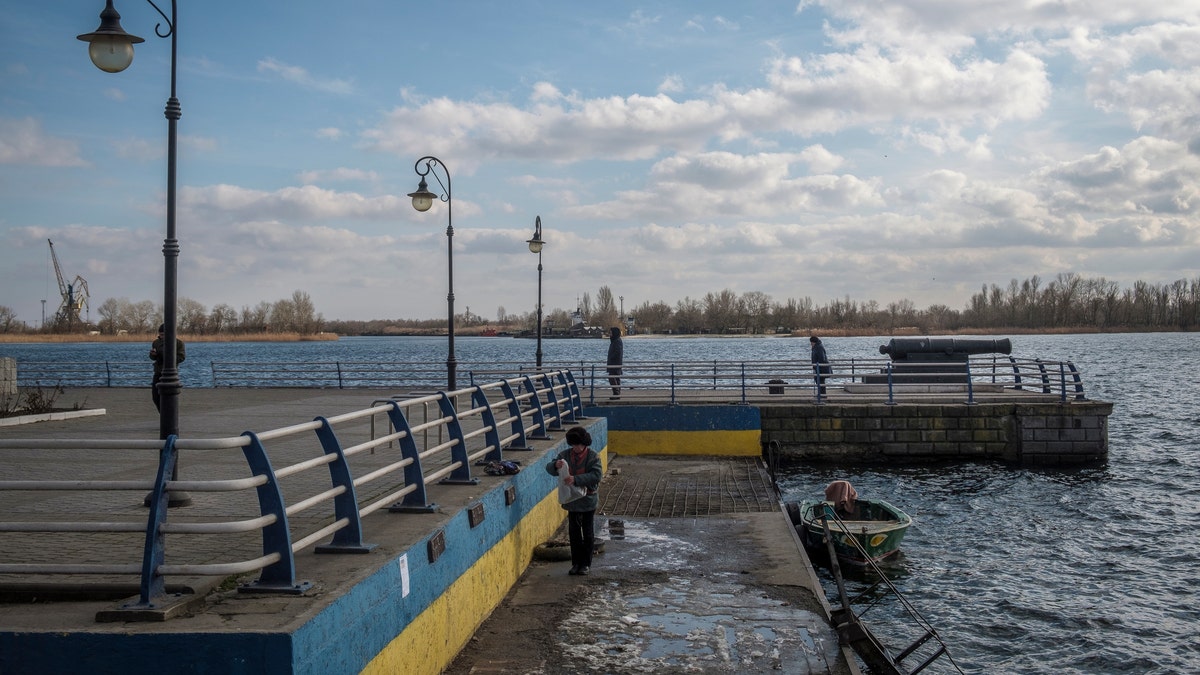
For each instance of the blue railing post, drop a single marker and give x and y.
(1078, 382)
(491, 435)
(970, 384)
(539, 414)
(1045, 377)
(891, 392)
(415, 501)
(743, 364)
(458, 452)
(552, 402)
(514, 412)
(280, 576)
(345, 505)
(153, 586)
(573, 411)
(1016, 373)
(672, 384)
(341, 382)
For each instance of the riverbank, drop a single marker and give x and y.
(44, 338)
(50, 338)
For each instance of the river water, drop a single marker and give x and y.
(1087, 571)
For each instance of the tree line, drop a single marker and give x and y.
(296, 314)
(1069, 301)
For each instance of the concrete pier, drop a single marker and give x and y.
(690, 580)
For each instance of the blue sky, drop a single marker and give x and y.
(914, 149)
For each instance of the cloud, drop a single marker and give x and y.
(305, 203)
(23, 141)
(302, 77)
(340, 174)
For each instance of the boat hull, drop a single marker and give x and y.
(873, 536)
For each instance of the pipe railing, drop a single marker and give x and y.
(672, 381)
(330, 485)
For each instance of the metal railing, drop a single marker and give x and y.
(672, 381)
(334, 470)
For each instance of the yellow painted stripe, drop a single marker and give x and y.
(431, 641)
(718, 443)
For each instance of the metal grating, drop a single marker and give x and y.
(733, 485)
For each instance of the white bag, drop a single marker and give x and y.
(568, 493)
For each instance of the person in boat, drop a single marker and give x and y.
(844, 498)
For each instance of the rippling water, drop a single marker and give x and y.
(1021, 571)
(1053, 571)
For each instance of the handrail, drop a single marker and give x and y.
(342, 477)
(724, 381)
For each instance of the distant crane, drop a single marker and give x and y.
(74, 296)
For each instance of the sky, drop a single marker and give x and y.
(826, 149)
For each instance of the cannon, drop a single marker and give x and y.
(935, 360)
(936, 349)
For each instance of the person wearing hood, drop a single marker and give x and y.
(616, 354)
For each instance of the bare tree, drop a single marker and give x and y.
(8, 319)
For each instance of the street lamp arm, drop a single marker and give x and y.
(431, 162)
(169, 19)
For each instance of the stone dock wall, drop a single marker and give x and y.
(1037, 434)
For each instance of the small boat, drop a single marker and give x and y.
(864, 531)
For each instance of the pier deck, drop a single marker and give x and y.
(701, 571)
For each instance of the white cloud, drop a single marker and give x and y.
(23, 141)
(302, 77)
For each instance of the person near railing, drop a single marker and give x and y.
(616, 355)
(584, 470)
(820, 362)
(157, 355)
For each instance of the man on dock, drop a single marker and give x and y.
(157, 355)
(616, 354)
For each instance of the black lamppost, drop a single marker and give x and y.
(422, 200)
(535, 246)
(111, 49)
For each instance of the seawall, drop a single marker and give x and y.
(1050, 433)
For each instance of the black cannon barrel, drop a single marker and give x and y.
(899, 348)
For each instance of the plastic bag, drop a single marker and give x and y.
(568, 493)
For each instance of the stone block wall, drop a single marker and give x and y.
(8, 378)
(1049, 434)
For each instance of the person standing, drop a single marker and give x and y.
(616, 354)
(157, 355)
(820, 361)
(584, 470)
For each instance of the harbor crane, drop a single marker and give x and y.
(74, 296)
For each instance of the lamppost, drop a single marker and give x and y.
(535, 246)
(111, 49)
(422, 200)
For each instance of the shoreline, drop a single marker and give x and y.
(39, 338)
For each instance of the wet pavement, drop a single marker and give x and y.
(724, 593)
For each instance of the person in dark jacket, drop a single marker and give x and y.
(616, 354)
(820, 360)
(158, 355)
(585, 471)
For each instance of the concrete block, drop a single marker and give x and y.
(8, 378)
